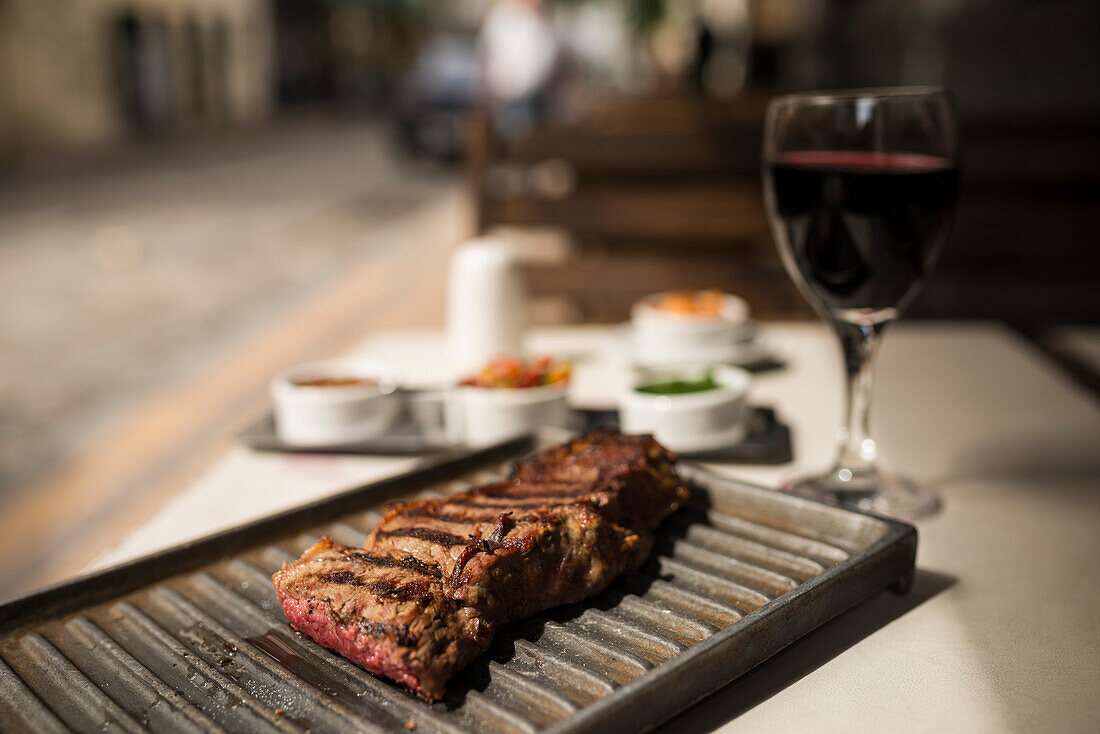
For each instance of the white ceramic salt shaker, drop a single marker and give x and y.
(486, 304)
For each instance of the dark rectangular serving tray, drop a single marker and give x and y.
(767, 439)
(192, 638)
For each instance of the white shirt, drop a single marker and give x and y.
(520, 48)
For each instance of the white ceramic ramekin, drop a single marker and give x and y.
(479, 416)
(697, 421)
(664, 337)
(316, 416)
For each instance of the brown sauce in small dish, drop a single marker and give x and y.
(336, 382)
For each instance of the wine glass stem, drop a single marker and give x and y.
(855, 469)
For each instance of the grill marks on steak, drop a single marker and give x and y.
(392, 619)
(437, 577)
(386, 588)
(562, 556)
(429, 535)
(408, 562)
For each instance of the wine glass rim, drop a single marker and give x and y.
(827, 96)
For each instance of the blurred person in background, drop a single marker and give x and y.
(520, 60)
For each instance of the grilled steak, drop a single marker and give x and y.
(436, 578)
(523, 561)
(388, 615)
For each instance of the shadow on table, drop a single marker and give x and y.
(806, 655)
(1060, 455)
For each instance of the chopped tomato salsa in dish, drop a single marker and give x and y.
(512, 372)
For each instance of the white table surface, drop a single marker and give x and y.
(1002, 629)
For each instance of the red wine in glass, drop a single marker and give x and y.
(860, 187)
(863, 227)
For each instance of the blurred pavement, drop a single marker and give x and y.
(128, 275)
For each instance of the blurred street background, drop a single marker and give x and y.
(196, 193)
(135, 274)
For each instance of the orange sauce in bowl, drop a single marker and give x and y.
(692, 303)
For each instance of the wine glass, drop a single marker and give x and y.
(860, 188)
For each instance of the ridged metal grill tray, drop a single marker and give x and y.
(193, 639)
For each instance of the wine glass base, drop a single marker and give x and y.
(885, 494)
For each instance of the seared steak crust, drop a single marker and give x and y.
(437, 577)
(382, 613)
(516, 562)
